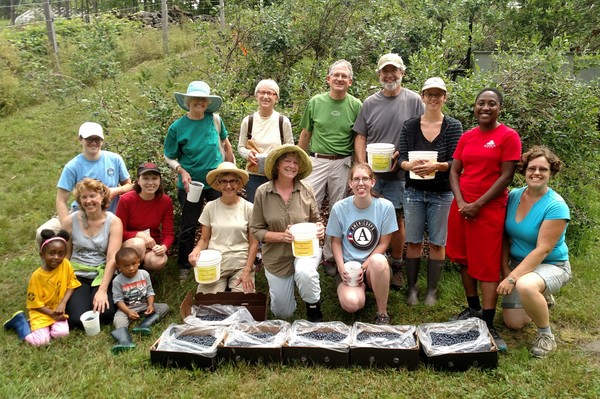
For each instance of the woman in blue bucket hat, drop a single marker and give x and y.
(195, 144)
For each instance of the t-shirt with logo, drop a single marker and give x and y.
(361, 229)
(482, 154)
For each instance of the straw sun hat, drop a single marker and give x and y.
(271, 162)
(199, 89)
(223, 168)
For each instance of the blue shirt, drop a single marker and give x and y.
(524, 234)
(110, 169)
(361, 229)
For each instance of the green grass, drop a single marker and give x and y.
(38, 140)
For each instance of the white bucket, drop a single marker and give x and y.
(195, 191)
(305, 242)
(260, 160)
(423, 155)
(353, 269)
(208, 266)
(91, 322)
(379, 156)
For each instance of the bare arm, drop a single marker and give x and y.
(125, 186)
(115, 239)
(201, 244)
(62, 206)
(304, 140)
(360, 148)
(228, 149)
(548, 236)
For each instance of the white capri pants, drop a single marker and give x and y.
(281, 289)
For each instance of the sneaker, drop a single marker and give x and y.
(500, 343)
(382, 319)
(550, 300)
(397, 282)
(183, 275)
(466, 313)
(542, 345)
(330, 268)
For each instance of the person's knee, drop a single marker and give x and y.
(515, 319)
(351, 304)
(378, 264)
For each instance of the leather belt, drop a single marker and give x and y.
(328, 156)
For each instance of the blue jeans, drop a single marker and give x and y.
(390, 189)
(190, 213)
(426, 208)
(253, 183)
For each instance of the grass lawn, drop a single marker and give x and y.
(36, 144)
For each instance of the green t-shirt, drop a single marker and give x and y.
(195, 144)
(330, 122)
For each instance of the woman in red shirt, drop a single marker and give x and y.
(484, 164)
(147, 216)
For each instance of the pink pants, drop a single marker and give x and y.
(42, 335)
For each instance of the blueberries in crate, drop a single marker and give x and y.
(203, 340)
(447, 339)
(330, 336)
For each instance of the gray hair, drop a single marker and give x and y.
(340, 63)
(268, 83)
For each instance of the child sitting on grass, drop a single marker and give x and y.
(50, 288)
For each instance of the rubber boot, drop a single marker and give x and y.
(434, 271)
(122, 336)
(19, 323)
(144, 327)
(313, 312)
(412, 277)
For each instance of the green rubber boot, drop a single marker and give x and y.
(144, 327)
(122, 336)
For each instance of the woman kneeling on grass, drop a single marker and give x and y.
(361, 228)
(536, 258)
(50, 288)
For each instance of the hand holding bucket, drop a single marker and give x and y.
(305, 243)
(353, 270)
(195, 192)
(424, 164)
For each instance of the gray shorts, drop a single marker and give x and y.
(555, 276)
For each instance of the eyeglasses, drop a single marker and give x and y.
(357, 180)
(91, 140)
(434, 95)
(342, 76)
(532, 169)
(266, 93)
(231, 182)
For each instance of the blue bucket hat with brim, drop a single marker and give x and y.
(199, 89)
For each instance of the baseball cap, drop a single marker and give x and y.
(390, 59)
(89, 129)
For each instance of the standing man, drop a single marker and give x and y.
(95, 163)
(380, 121)
(327, 126)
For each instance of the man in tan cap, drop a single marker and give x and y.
(380, 121)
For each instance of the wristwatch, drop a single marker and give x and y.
(512, 280)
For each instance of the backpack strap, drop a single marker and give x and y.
(250, 123)
(281, 128)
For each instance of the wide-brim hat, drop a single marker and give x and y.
(199, 89)
(271, 162)
(223, 168)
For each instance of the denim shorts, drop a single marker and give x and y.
(426, 209)
(390, 189)
(554, 275)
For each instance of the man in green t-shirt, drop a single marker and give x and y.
(327, 129)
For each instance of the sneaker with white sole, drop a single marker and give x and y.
(543, 345)
(467, 313)
(500, 342)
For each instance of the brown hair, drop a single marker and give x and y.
(540, 151)
(367, 168)
(92, 185)
(159, 191)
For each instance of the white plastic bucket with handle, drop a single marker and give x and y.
(379, 156)
(305, 244)
(91, 322)
(195, 192)
(422, 155)
(208, 266)
(353, 268)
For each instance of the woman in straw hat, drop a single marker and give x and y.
(225, 228)
(427, 201)
(283, 201)
(195, 144)
(261, 132)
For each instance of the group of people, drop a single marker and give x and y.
(507, 244)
